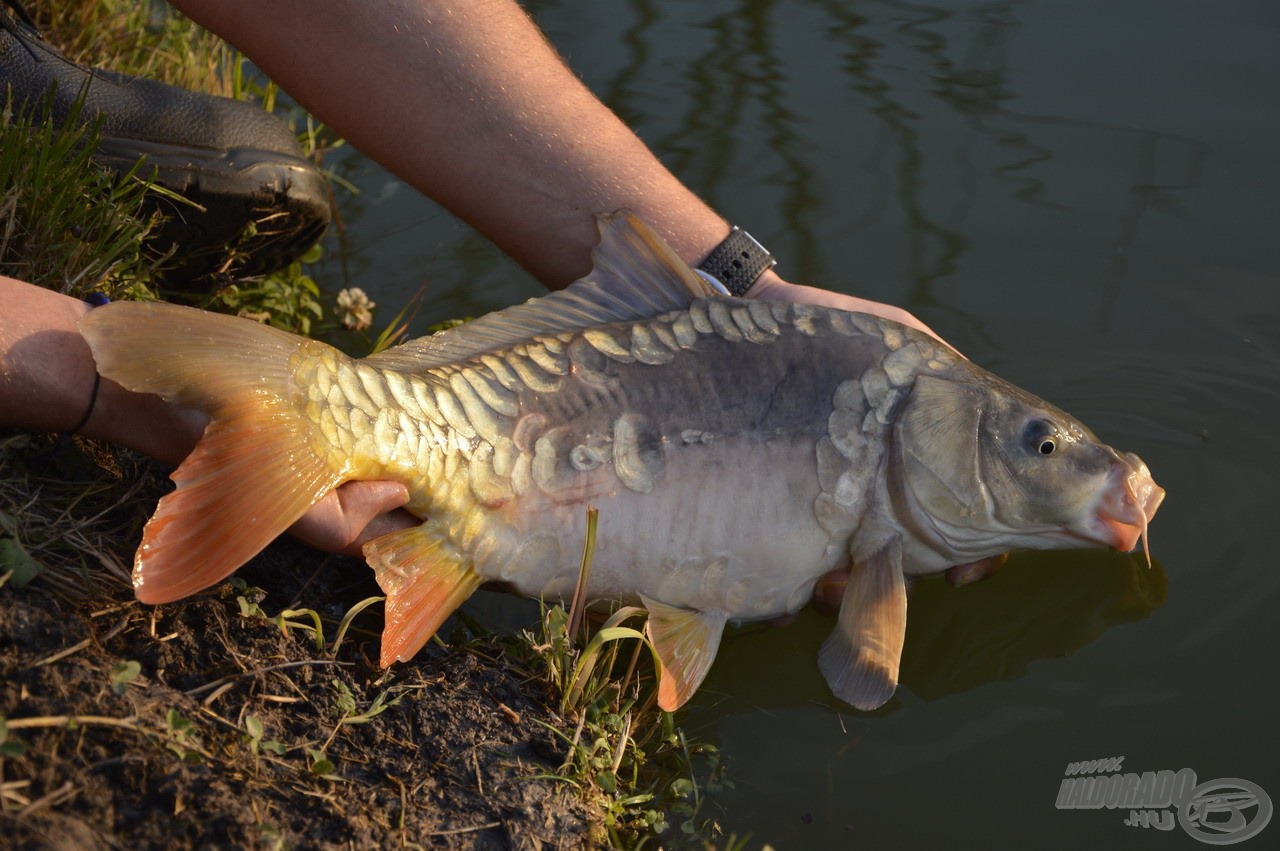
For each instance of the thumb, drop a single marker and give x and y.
(362, 501)
(356, 512)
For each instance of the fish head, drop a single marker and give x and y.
(987, 467)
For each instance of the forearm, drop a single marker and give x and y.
(471, 105)
(47, 380)
(474, 108)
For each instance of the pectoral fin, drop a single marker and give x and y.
(425, 580)
(860, 658)
(686, 641)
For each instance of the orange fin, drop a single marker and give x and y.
(860, 658)
(686, 641)
(236, 493)
(252, 474)
(425, 580)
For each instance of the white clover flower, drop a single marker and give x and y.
(356, 309)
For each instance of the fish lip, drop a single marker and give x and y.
(1126, 504)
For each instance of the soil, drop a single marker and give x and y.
(231, 733)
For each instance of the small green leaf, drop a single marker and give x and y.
(14, 557)
(681, 787)
(346, 700)
(253, 726)
(275, 747)
(178, 725)
(124, 673)
(320, 764)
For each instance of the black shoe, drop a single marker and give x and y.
(262, 204)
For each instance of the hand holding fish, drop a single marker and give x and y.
(774, 288)
(352, 515)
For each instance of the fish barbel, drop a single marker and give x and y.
(737, 451)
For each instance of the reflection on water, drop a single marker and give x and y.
(1041, 606)
(1048, 605)
(1165, 166)
(887, 123)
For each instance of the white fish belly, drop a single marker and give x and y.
(730, 527)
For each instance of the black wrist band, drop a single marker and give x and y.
(93, 400)
(93, 300)
(738, 262)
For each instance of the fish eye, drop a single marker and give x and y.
(1041, 436)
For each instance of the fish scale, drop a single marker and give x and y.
(737, 451)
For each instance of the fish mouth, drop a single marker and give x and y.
(1127, 504)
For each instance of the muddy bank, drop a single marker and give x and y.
(202, 723)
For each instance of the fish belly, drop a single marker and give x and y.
(715, 534)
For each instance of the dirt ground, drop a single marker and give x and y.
(202, 724)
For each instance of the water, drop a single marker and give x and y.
(1082, 197)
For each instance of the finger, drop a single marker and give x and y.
(786, 291)
(967, 574)
(362, 501)
(383, 524)
(338, 522)
(829, 590)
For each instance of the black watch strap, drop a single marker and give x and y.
(738, 262)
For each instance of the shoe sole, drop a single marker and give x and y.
(286, 198)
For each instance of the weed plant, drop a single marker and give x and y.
(626, 755)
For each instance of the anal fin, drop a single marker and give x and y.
(860, 658)
(686, 642)
(425, 580)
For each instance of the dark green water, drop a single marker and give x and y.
(1081, 196)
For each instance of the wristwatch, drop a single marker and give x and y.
(738, 262)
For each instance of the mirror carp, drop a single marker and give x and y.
(737, 450)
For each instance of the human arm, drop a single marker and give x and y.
(471, 105)
(47, 380)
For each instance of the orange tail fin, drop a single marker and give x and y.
(252, 474)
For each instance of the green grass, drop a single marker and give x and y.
(65, 224)
(627, 756)
(137, 37)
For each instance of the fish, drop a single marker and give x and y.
(737, 450)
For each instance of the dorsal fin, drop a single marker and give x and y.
(635, 275)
